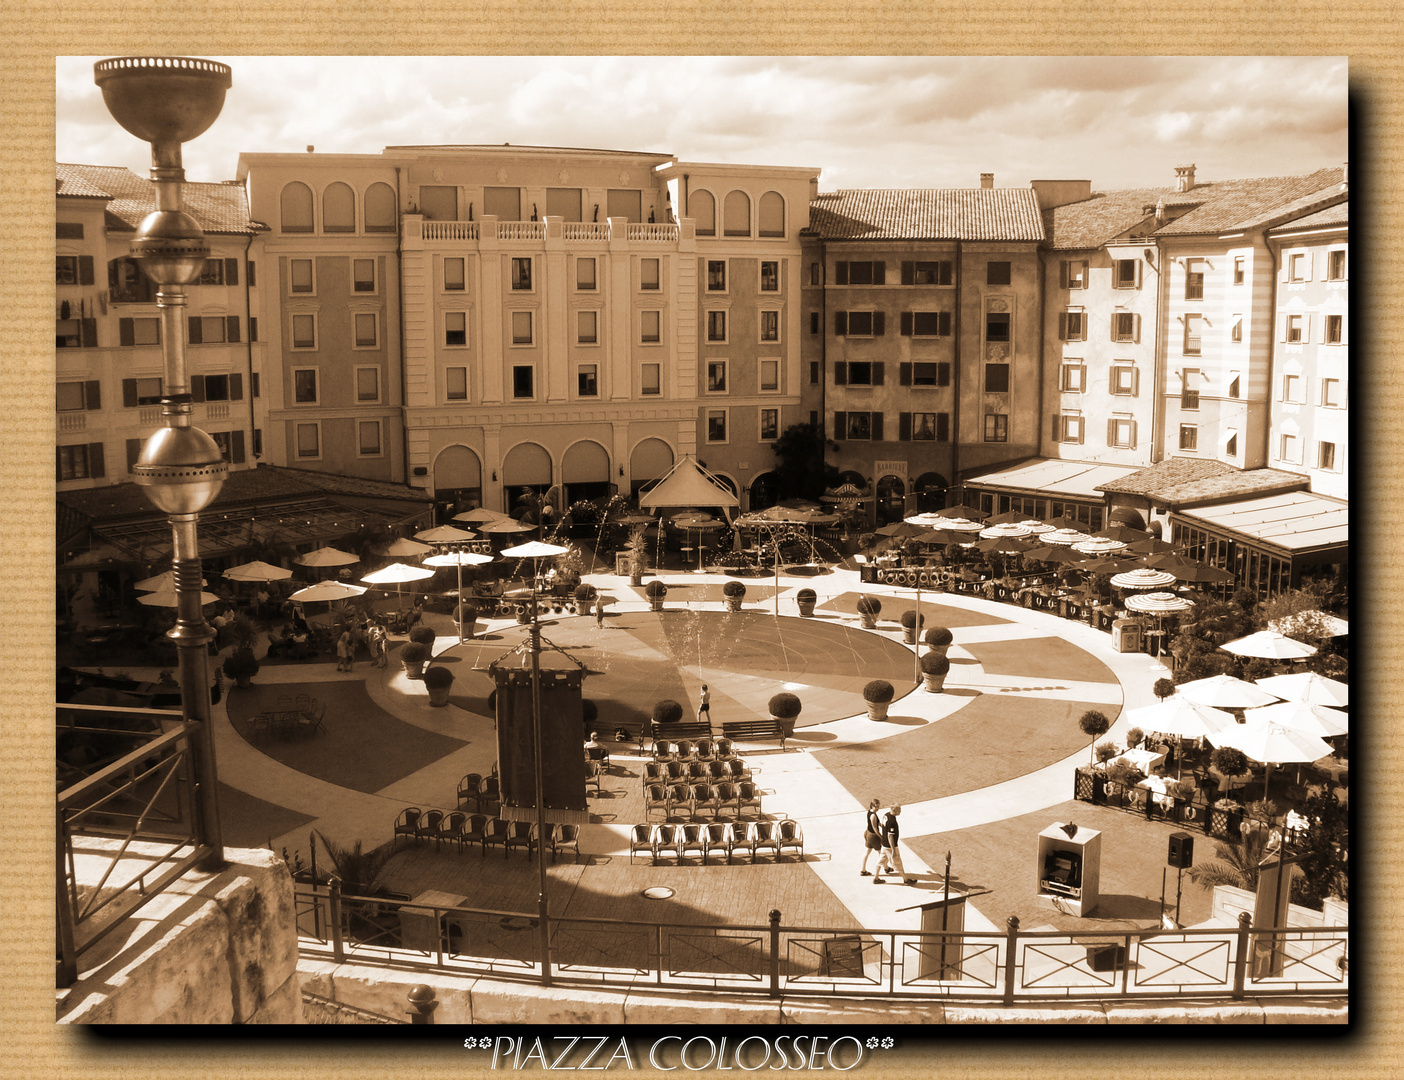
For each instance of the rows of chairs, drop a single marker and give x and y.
(687, 750)
(673, 798)
(747, 837)
(482, 793)
(456, 827)
(713, 771)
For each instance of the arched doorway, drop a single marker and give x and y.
(1128, 516)
(648, 464)
(458, 480)
(764, 492)
(930, 490)
(585, 472)
(526, 476)
(890, 501)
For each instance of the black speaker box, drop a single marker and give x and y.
(1106, 957)
(1181, 854)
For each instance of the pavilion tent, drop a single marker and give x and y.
(686, 484)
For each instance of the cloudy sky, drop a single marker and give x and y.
(866, 121)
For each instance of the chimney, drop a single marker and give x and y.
(1184, 177)
(987, 179)
(1345, 176)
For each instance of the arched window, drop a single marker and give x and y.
(380, 208)
(738, 214)
(702, 208)
(338, 208)
(772, 214)
(297, 208)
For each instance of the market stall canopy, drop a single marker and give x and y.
(1308, 686)
(687, 483)
(257, 571)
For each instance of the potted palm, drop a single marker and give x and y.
(868, 609)
(241, 665)
(805, 599)
(934, 669)
(414, 655)
(938, 639)
(735, 592)
(878, 695)
(655, 592)
(784, 708)
(637, 549)
(911, 623)
(438, 680)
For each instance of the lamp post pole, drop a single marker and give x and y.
(167, 101)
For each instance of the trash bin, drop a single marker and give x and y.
(1126, 635)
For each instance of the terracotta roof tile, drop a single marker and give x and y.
(1181, 481)
(218, 208)
(1332, 215)
(927, 214)
(1228, 204)
(1095, 221)
(1165, 476)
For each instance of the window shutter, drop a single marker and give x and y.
(1133, 434)
(253, 384)
(1137, 264)
(1111, 432)
(1063, 322)
(232, 328)
(904, 426)
(231, 271)
(1306, 329)
(1135, 382)
(943, 427)
(92, 394)
(943, 374)
(1081, 430)
(877, 427)
(1063, 274)
(879, 323)
(840, 321)
(237, 453)
(908, 273)
(878, 369)
(1136, 328)
(943, 324)
(840, 425)
(89, 329)
(196, 334)
(129, 393)
(904, 374)
(126, 332)
(840, 373)
(95, 463)
(85, 269)
(197, 388)
(905, 319)
(879, 273)
(253, 325)
(236, 387)
(250, 266)
(1345, 322)
(1111, 381)
(1282, 326)
(840, 273)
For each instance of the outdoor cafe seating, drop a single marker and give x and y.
(291, 718)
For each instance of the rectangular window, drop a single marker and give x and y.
(650, 379)
(504, 203)
(769, 276)
(997, 273)
(68, 230)
(1194, 329)
(860, 373)
(437, 202)
(363, 275)
(253, 328)
(770, 326)
(814, 322)
(213, 272)
(1292, 388)
(924, 426)
(1326, 455)
(309, 440)
(139, 331)
(523, 381)
(716, 376)
(1238, 267)
(70, 397)
(814, 373)
(304, 331)
(134, 452)
(1291, 449)
(927, 273)
(1335, 265)
(258, 441)
(300, 275)
(1331, 393)
(1294, 328)
(626, 203)
(305, 386)
(1121, 433)
(1126, 274)
(217, 387)
(80, 462)
(1072, 326)
(66, 270)
(769, 424)
(585, 380)
(1298, 266)
(210, 330)
(1236, 328)
(1333, 329)
(456, 383)
(1123, 379)
(996, 427)
(1067, 428)
(585, 275)
(650, 331)
(521, 274)
(1231, 444)
(454, 280)
(1194, 280)
(716, 326)
(1189, 389)
(587, 327)
(716, 426)
(861, 273)
(137, 392)
(1073, 274)
(367, 384)
(931, 373)
(996, 326)
(770, 374)
(859, 425)
(1189, 437)
(521, 328)
(996, 378)
(1126, 326)
(716, 275)
(368, 438)
(68, 334)
(455, 328)
(648, 274)
(231, 445)
(367, 331)
(564, 203)
(926, 323)
(1073, 378)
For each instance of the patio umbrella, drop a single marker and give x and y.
(1009, 517)
(1054, 554)
(1005, 529)
(1037, 527)
(1319, 720)
(1123, 533)
(1098, 547)
(1272, 744)
(960, 525)
(1143, 579)
(167, 598)
(506, 525)
(1106, 564)
(1186, 569)
(160, 581)
(480, 515)
(397, 573)
(1150, 546)
(1009, 545)
(402, 549)
(450, 534)
(324, 592)
(926, 520)
(459, 559)
(1065, 537)
(1225, 692)
(257, 571)
(903, 530)
(632, 519)
(1065, 522)
(705, 522)
(1158, 603)
(534, 550)
(972, 513)
(1308, 686)
(327, 556)
(1182, 718)
(1270, 645)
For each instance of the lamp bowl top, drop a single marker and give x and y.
(163, 99)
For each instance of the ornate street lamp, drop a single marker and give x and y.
(166, 101)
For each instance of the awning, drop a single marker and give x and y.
(1293, 522)
(1051, 477)
(688, 484)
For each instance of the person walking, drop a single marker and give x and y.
(872, 837)
(599, 612)
(891, 859)
(379, 647)
(704, 704)
(345, 647)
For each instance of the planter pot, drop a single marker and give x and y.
(1224, 823)
(636, 580)
(806, 608)
(877, 710)
(655, 605)
(439, 695)
(869, 621)
(935, 683)
(733, 603)
(243, 682)
(523, 615)
(414, 670)
(937, 650)
(466, 630)
(909, 634)
(787, 726)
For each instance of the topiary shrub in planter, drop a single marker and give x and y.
(438, 680)
(1230, 761)
(1105, 752)
(241, 665)
(806, 599)
(784, 708)
(585, 595)
(878, 694)
(868, 610)
(465, 619)
(1163, 688)
(1134, 737)
(423, 635)
(414, 656)
(655, 592)
(938, 639)
(934, 669)
(911, 623)
(1094, 724)
(735, 592)
(666, 712)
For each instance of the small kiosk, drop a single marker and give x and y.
(1069, 866)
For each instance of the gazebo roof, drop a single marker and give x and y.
(688, 484)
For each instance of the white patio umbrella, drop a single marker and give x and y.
(1143, 578)
(957, 524)
(402, 549)
(927, 521)
(1308, 686)
(1270, 645)
(1319, 720)
(397, 574)
(1181, 717)
(327, 556)
(459, 559)
(445, 534)
(1036, 526)
(534, 549)
(506, 525)
(167, 598)
(1273, 744)
(1225, 692)
(257, 571)
(324, 592)
(159, 582)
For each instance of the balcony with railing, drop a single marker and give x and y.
(536, 232)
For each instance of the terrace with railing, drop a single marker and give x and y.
(595, 232)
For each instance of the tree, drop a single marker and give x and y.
(802, 471)
(1237, 862)
(1094, 725)
(1325, 846)
(1230, 761)
(358, 869)
(1163, 688)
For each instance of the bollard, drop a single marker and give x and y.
(1011, 948)
(423, 1001)
(774, 952)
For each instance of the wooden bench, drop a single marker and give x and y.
(755, 731)
(640, 731)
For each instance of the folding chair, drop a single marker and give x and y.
(790, 836)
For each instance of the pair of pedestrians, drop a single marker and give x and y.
(883, 835)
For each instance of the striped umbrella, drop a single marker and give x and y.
(1006, 529)
(1158, 603)
(1009, 517)
(1143, 579)
(964, 525)
(1098, 547)
(1036, 526)
(1066, 537)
